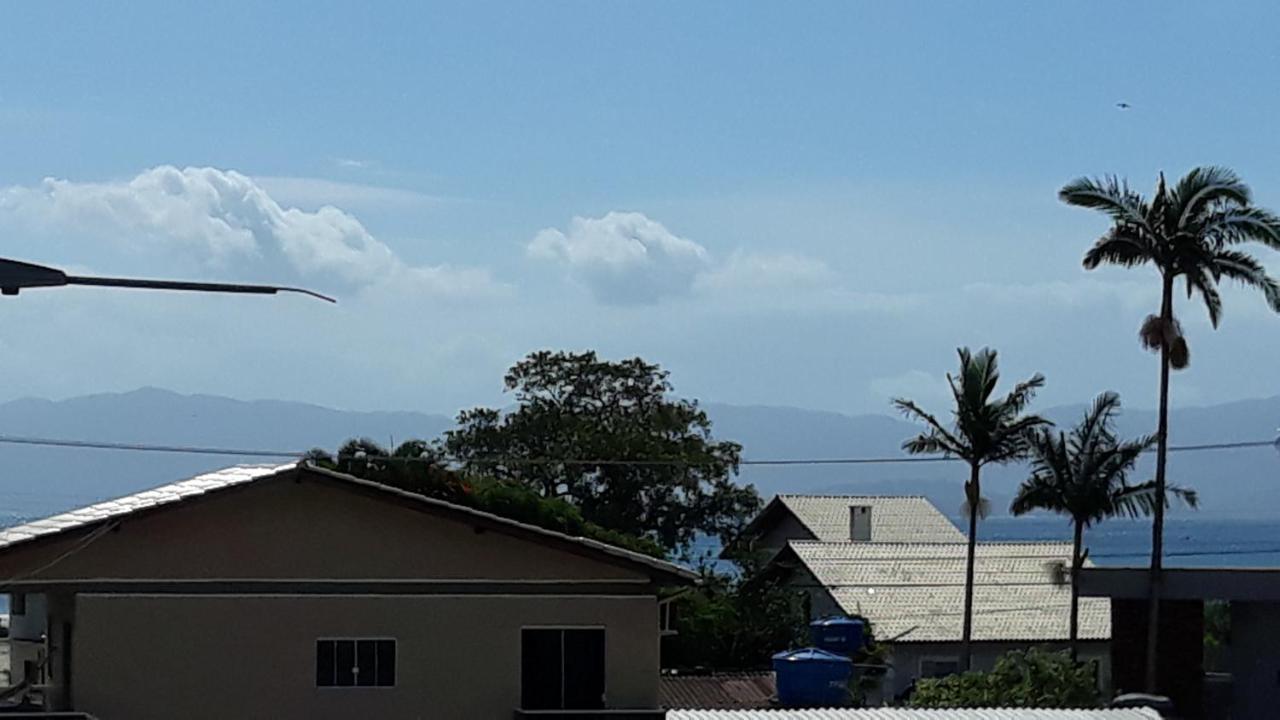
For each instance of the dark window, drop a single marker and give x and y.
(18, 604)
(355, 663)
(562, 669)
(939, 667)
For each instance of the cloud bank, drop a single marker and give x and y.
(627, 258)
(223, 219)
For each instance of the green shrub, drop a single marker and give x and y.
(1035, 678)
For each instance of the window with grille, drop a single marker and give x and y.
(343, 662)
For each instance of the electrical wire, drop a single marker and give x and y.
(514, 461)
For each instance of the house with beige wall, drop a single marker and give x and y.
(295, 592)
(900, 563)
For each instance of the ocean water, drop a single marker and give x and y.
(1188, 542)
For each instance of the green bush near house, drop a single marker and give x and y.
(1035, 678)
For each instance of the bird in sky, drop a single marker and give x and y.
(1123, 105)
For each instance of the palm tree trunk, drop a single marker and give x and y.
(1157, 519)
(974, 496)
(1073, 633)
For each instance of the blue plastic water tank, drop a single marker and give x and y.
(812, 677)
(838, 634)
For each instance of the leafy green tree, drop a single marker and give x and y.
(1034, 678)
(1193, 230)
(986, 429)
(735, 622)
(609, 438)
(415, 466)
(1083, 475)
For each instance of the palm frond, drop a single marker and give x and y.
(936, 440)
(1109, 195)
(1244, 268)
(1022, 394)
(1235, 225)
(1122, 245)
(1140, 500)
(1201, 281)
(1203, 187)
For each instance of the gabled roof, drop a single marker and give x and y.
(917, 714)
(718, 690)
(190, 490)
(894, 518)
(916, 590)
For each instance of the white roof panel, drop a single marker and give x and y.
(916, 590)
(894, 518)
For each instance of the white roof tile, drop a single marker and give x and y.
(894, 518)
(916, 590)
(916, 714)
(148, 498)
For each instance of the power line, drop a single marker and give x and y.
(528, 461)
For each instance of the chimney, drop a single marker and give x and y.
(860, 523)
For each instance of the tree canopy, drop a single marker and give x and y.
(609, 438)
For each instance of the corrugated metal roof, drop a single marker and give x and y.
(916, 590)
(917, 714)
(164, 495)
(718, 690)
(894, 518)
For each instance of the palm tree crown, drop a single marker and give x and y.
(986, 429)
(1083, 474)
(1192, 230)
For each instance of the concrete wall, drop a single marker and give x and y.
(307, 529)
(1255, 659)
(906, 658)
(142, 657)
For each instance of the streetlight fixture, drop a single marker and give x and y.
(16, 276)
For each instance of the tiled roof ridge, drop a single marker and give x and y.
(930, 543)
(839, 496)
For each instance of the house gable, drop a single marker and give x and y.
(302, 524)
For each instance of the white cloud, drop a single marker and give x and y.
(307, 192)
(754, 271)
(221, 218)
(624, 257)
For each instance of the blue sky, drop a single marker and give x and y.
(804, 205)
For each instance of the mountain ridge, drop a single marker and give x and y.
(1231, 483)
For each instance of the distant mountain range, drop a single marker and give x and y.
(41, 480)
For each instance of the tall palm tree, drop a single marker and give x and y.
(1084, 475)
(985, 430)
(1194, 231)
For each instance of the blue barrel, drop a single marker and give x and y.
(812, 677)
(838, 634)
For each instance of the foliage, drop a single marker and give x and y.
(1034, 678)
(1083, 474)
(735, 622)
(1193, 231)
(985, 430)
(415, 466)
(1217, 634)
(609, 438)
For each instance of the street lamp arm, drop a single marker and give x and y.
(16, 276)
(193, 286)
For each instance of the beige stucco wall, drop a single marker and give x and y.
(312, 529)
(234, 657)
